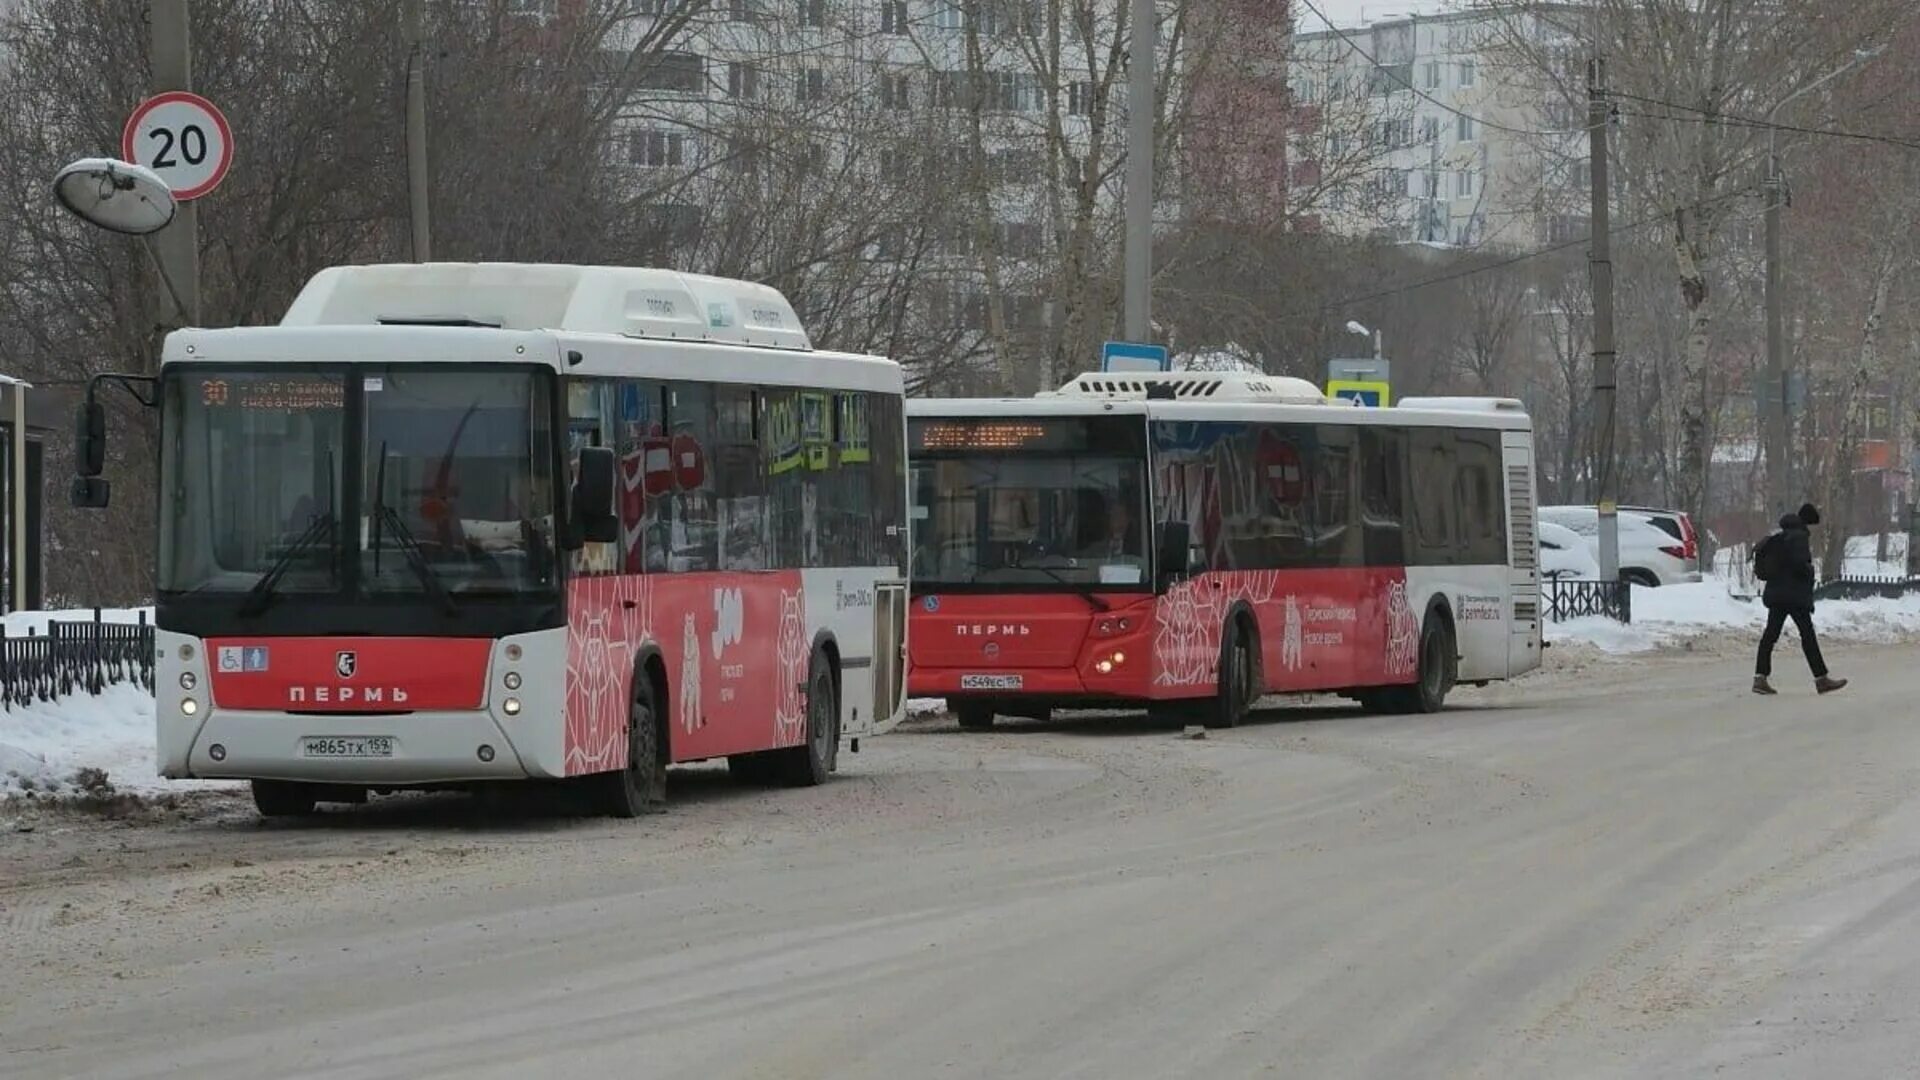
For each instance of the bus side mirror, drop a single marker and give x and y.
(90, 489)
(1173, 551)
(90, 438)
(593, 518)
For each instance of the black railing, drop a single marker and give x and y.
(73, 656)
(1845, 587)
(1566, 599)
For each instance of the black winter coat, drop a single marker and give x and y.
(1792, 586)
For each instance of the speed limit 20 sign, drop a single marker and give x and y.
(183, 138)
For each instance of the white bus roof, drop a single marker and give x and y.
(628, 301)
(612, 322)
(1193, 386)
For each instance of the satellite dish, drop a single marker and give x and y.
(116, 195)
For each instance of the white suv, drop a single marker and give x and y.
(1651, 553)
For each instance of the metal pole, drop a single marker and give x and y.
(417, 133)
(178, 245)
(1779, 463)
(1600, 264)
(1140, 112)
(19, 575)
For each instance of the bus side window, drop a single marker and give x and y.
(1383, 488)
(1435, 508)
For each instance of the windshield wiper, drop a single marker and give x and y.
(262, 594)
(385, 517)
(417, 560)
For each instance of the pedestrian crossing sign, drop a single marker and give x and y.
(1359, 392)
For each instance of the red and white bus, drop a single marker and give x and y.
(450, 524)
(1191, 541)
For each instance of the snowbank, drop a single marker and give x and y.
(44, 747)
(1676, 613)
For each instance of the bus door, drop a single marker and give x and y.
(889, 654)
(1523, 554)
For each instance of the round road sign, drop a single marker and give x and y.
(183, 138)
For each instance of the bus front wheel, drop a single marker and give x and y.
(1235, 692)
(283, 798)
(974, 716)
(641, 787)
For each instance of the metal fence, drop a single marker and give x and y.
(1566, 599)
(1862, 588)
(72, 656)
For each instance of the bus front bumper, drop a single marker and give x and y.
(401, 750)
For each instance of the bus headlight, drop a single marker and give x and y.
(188, 706)
(511, 706)
(512, 680)
(188, 681)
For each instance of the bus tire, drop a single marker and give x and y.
(641, 787)
(284, 798)
(1439, 664)
(810, 763)
(974, 716)
(1234, 691)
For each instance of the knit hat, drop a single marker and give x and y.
(1809, 514)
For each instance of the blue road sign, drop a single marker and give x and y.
(1134, 356)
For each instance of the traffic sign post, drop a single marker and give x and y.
(1134, 356)
(184, 139)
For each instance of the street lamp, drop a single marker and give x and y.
(120, 197)
(1356, 328)
(1779, 466)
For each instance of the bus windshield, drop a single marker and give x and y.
(1055, 501)
(370, 480)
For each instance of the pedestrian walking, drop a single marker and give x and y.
(1784, 560)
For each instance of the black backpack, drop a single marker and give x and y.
(1766, 557)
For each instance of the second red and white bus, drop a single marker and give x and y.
(1192, 541)
(453, 524)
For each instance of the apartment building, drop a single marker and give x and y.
(1446, 129)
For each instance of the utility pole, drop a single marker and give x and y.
(1140, 112)
(1600, 265)
(417, 133)
(1779, 456)
(177, 247)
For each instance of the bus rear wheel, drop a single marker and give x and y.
(1439, 664)
(641, 787)
(810, 764)
(284, 798)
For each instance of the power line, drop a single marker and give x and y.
(1423, 95)
(1514, 260)
(1712, 116)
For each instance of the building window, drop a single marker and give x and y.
(743, 11)
(1018, 239)
(1013, 167)
(743, 81)
(1433, 75)
(894, 91)
(1429, 129)
(657, 149)
(1463, 184)
(1466, 73)
(1464, 128)
(893, 17)
(675, 72)
(896, 166)
(949, 16)
(743, 156)
(655, 8)
(1568, 228)
(813, 85)
(1080, 98)
(813, 13)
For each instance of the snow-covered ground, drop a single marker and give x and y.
(1677, 613)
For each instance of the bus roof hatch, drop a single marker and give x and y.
(1192, 386)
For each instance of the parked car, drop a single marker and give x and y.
(1657, 547)
(1564, 555)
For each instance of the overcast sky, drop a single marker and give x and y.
(1351, 13)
